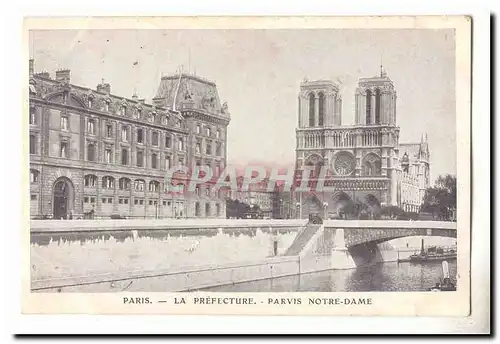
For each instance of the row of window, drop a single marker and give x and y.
(125, 157)
(208, 131)
(108, 182)
(208, 148)
(125, 200)
(197, 209)
(140, 135)
(91, 152)
(92, 124)
(139, 162)
(166, 119)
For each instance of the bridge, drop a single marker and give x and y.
(339, 244)
(176, 255)
(365, 232)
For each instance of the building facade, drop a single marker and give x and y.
(92, 152)
(365, 163)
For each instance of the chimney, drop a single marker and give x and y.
(62, 75)
(32, 67)
(104, 88)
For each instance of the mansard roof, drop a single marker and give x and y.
(183, 90)
(43, 87)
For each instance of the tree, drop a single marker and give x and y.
(441, 199)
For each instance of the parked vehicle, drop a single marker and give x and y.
(315, 218)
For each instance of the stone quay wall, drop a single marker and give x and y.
(74, 252)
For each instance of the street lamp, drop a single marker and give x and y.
(298, 210)
(325, 205)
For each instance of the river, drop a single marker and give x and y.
(379, 277)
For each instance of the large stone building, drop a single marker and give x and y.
(92, 152)
(365, 163)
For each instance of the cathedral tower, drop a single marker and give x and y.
(376, 101)
(320, 104)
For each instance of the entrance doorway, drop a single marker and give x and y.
(63, 198)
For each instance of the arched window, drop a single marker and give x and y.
(368, 107)
(34, 176)
(207, 209)
(108, 182)
(197, 209)
(372, 165)
(377, 106)
(139, 185)
(90, 181)
(91, 152)
(154, 186)
(124, 183)
(321, 109)
(311, 110)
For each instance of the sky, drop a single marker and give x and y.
(258, 73)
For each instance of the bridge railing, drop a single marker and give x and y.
(367, 224)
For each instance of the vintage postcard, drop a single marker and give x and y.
(248, 166)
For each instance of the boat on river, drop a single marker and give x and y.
(446, 283)
(433, 254)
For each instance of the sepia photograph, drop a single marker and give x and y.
(203, 162)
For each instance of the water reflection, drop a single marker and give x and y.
(379, 277)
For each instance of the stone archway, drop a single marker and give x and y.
(342, 205)
(63, 198)
(371, 165)
(373, 204)
(316, 162)
(312, 205)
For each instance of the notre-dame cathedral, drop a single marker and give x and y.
(365, 162)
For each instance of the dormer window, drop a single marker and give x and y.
(152, 117)
(138, 113)
(106, 106)
(90, 103)
(123, 108)
(165, 120)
